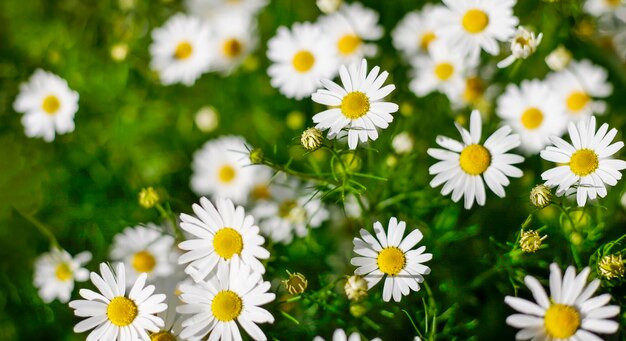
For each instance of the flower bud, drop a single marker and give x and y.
(611, 266)
(148, 197)
(541, 196)
(530, 241)
(311, 139)
(296, 283)
(356, 288)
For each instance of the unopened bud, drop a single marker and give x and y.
(296, 283)
(541, 196)
(356, 288)
(530, 241)
(312, 139)
(148, 197)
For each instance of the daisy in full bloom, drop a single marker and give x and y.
(534, 112)
(223, 234)
(222, 168)
(48, 105)
(212, 9)
(601, 7)
(391, 255)
(181, 50)
(441, 70)
(232, 41)
(569, 314)
(143, 249)
(577, 86)
(587, 162)
(56, 271)
(236, 293)
(289, 212)
(464, 166)
(416, 31)
(301, 58)
(357, 106)
(468, 26)
(349, 28)
(115, 315)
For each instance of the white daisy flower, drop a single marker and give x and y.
(143, 249)
(392, 256)
(235, 294)
(523, 44)
(114, 315)
(600, 7)
(221, 233)
(464, 166)
(301, 57)
(56, 271)
(349, 29)
(340, 335)
(213, 9)
(181, 50)
(234, 37)
(222, 168)
(48, 105)
(357, 106)
(586, 162)
(467, 26)
(441, 70)
(289, 212)
(534, 112)
(416, 31)
(578, 85)
(569, 314)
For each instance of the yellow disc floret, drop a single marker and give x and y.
(227, 242)
(577, 101)
(226, 174)
(444, 71)
(475, 21)
(162, 336)
(348, 44)
(232, 48)
(584, 162)
(63, 272)
(561, 321)
(303, 61)
(391, 260)
(226, 306)
(183, 50)
(122, 311)
(51, 104)
(143, 261)
(532, 118)
(354, 105)
(475, 159)
(427, 38)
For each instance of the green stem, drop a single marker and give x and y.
(572, 247)
(295, 173)
(42, 228)
(169, 215)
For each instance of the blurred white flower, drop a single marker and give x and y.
(559, 58)
(328, 6)
(207, 119)
(402, 143)
(212, 9)
(56, 271)
(601, 7)
(523, 44)
(233, 39)
(416, 31)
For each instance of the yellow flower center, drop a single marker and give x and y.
(51, 104)
(162, 336)
(444, 71)
(427, 38)
(143, 261)
(613, 3)
(122, 311)
(303, 61)
(348, 44)
(561, 321)
(226, 306)
(475, 21)
(354, 105)
(63, 272)
(232, 48)
(584, 162)
(260, 192)
(227, 242)
(226, 174)
(577, 101)
(285, 208)
(391, 260)
(183, 50)
(475, 159)
(474, 89)
(532, 118)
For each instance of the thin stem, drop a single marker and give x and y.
(169, 215)
(42, 228)
(301, 175)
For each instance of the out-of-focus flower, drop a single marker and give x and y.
(523, 44)
(611, 266)
(559, 58)
(296, 283)
(402, 143)
(356, 288)
(233, 37)
(207, 119)
(441, 70)
(119, 52)
(148, 197)
(56, 271)
(416, 24)
(328, 6)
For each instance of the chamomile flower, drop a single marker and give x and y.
(143, 249)
(523, 44)
(56, 271)
(115, 315)
(587, 162)
(465, 165)
(181, 50)
(392, 256)
(289, 212)
(212, 9)
(534, 112)
(600, 7)
(221, 232)
(357, 106)
(441, 70)
(48, 105)
(468, 26)
(301, 58)
(349, 29)
(577, 87)
(340, 335)
(236, 293)
(569, 314)
(233, 39)
(222, 168)
(416, 31)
